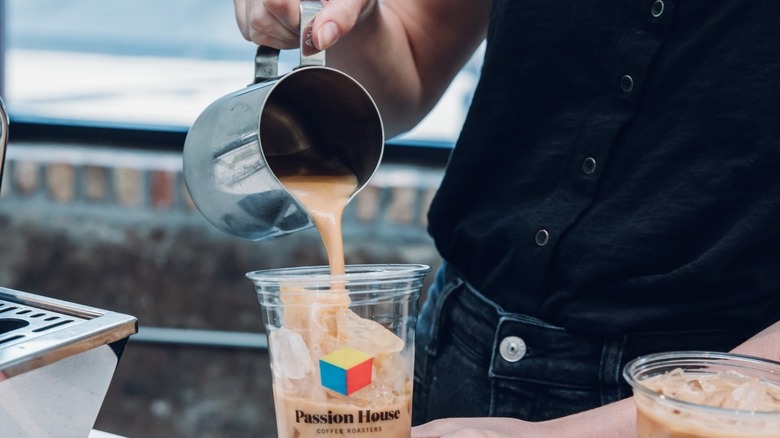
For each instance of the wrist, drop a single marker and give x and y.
(616, 420)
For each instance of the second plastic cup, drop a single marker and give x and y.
(694, 394)
(341, 348)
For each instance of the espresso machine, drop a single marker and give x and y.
(57, 358)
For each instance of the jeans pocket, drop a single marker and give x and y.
(454, 384)
(445, 285)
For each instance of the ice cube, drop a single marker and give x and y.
(713, 398)
(393, 372)
(753, 395)
(728, 380)
(366, 335)
(291, 358)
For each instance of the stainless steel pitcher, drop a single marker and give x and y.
(313, 109)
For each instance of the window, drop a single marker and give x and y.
(148, 63)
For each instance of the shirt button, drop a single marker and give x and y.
(512, 348)
(589, 165)
(627, 83)
(657, 9)
(542, 237)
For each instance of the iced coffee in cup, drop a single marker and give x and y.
(705, 395)
(341, 348)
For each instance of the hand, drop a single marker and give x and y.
(473, 428)
(276, 23)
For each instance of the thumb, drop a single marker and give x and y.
(336, 19)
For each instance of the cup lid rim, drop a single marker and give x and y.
(352, 272)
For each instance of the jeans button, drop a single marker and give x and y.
(512, 348)
(589, 165)
(657, 9)
(626, 83)
(542, 237)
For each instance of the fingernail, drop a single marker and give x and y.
(327, 35)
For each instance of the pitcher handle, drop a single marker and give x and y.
(309, 54)
(267, 58)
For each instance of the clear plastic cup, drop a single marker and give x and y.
(699, 394)
(341, 348)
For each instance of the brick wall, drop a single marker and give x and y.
(114, 228)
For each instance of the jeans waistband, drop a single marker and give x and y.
(554, 355)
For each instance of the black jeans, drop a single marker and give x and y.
(461, 371)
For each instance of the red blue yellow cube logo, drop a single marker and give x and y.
(346, 370)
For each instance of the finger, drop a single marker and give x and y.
(241, 20)
(336, 19)
(286, 12)
(268, 41)
(263, 39)
(264, 28)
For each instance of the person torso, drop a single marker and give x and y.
(619, 168)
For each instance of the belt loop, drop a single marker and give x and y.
(610, 370)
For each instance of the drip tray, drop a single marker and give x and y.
(56, 362)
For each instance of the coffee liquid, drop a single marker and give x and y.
(754, 406)
(323, 185)
(322, 321)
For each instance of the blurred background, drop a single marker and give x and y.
(94, 209)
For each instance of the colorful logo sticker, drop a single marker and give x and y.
(346, 370)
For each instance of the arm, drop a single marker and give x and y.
(616, 420)
(405, 52)
(766, 344)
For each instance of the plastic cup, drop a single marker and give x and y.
(341, 348)
(715, 413)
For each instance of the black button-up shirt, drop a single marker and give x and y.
(619, 169)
